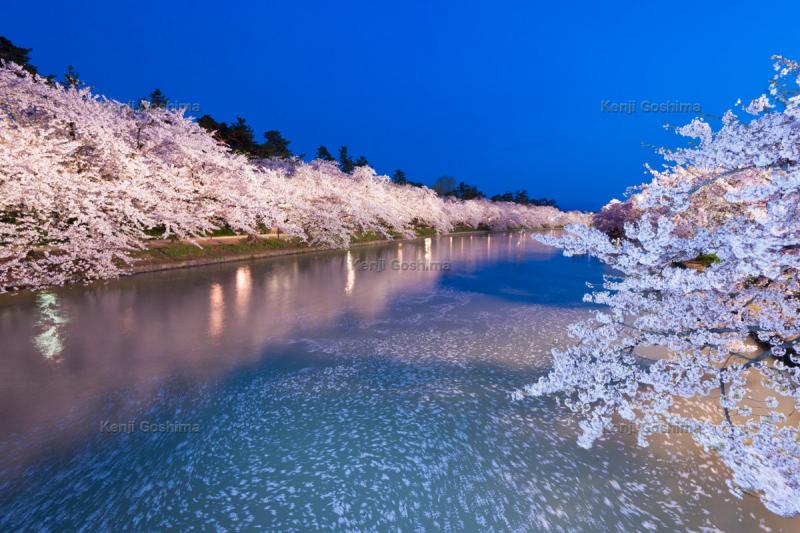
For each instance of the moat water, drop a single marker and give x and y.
(363, 390)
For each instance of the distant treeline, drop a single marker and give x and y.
(240, 137)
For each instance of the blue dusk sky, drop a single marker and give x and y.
(503, 95)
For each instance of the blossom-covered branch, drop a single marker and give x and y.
(82, 178)
(701, 327)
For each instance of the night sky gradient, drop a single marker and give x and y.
(504, 95)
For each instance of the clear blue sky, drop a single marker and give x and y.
(504, 95)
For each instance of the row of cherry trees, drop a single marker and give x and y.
(709, 345)
(83, 177)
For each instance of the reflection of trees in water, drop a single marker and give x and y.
(51, 323)
(132, 333)
(351, 275)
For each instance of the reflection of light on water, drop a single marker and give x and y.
(273, 283)
(378, 363)
(49, 342)
(351, 275)
(244, 285)
(488, 245)
(427, 250)
(281, 282)
(128, 320)
(216, 309)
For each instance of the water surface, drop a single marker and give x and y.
(361, 390)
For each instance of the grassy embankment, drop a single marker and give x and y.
(225, 244)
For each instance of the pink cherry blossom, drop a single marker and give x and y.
(701, 323)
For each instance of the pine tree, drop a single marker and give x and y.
(275, 146)
(16, 54)
(72, 78)
(345, 162)
(324, 154)
(399, 177)
(158, 99)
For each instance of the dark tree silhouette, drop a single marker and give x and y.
(521, 197)
(467, 192)
(275, 146)
(324, 154)
(16, 54)
(240, 138)
(158, 99)
(345, 161)
(445, 186)
(72, 78)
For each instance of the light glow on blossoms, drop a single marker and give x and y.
(83, 177)
(708, 256)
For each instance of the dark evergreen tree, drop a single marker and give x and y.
(275, 146)
(157, 99)
(521, 197)
(72, 78)
(467, 192)
(240, 137)
(505, 197)
(324, 154)
(445, 186)
(345, 161)
(208, 123)
(544, 202)
(16, 54)
(399, 177)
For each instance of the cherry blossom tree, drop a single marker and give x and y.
(612, 217)
(84, 180)
(709, 346)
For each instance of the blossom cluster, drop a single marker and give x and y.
(83, 178)
(709, 345)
